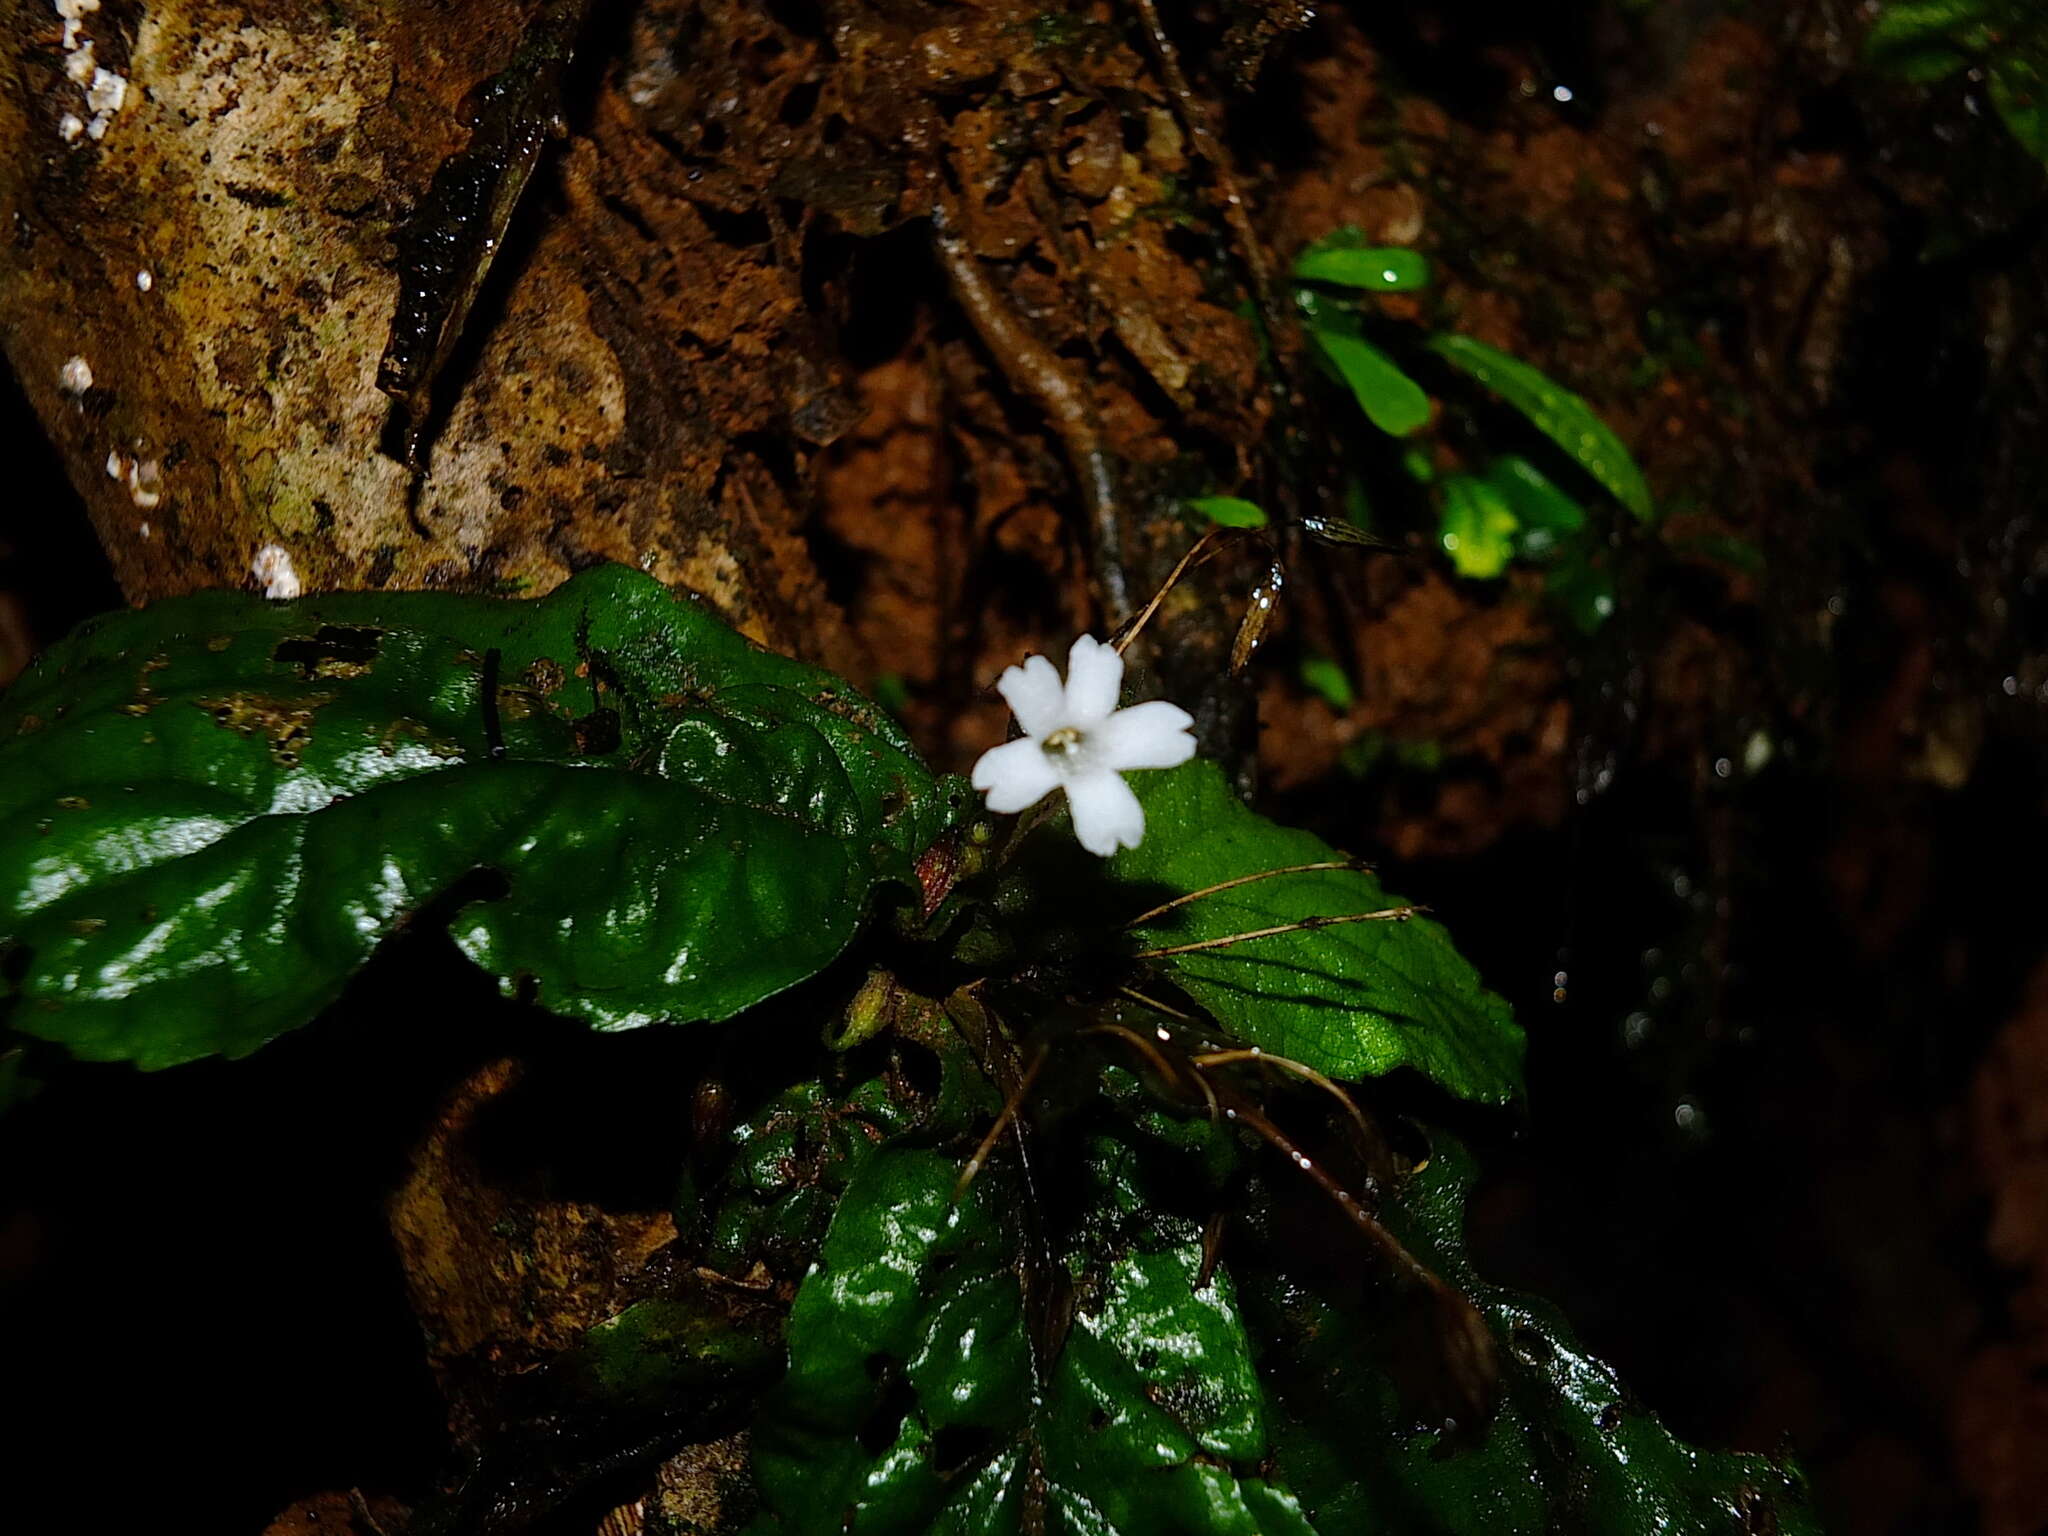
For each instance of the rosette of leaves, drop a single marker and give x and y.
(924, 1394)
(954, 1369)
(214, 810)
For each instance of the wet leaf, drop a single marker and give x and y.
(1570, 1450)
(1342, 257)
(1353, 1001)
(1391, 400)
(212, 811)
(1477, 527)
(913, 1402)
(1557, 413)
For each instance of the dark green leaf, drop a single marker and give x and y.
(1353, 1001)
(1924, 40)
(1557, 413)
(1391, 400)
(2018, 86)
(212, 811)
(17, 1084)
(1229, 511)
(913, 1404)
(1477, 528)
(1547, 514)
(1569, 1451)
(1580, 580)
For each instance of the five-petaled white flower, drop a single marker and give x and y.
(1076, 739)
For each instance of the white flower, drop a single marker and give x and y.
(1076, 739)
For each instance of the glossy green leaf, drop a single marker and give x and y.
(1342, 257)
(1391, 400)
(1477, 527)
(1570, 1450)
(1546, 514)
(913, 1402)
(1229, 511)
(212, 811)
(1557, 413)
(1353, 1000)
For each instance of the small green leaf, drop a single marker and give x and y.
(1557, 413)
(1477, 528)
(1354, 1000)
(1229, 511)
(1569, 1451)
(1391, 400)
(212, 811)
(1327, 680)
(1344, 258)
(1546, 514)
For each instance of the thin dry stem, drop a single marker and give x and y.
(1300, 1069)
(972, 1168)
(1210, 542)
(1230, 885)
(1305, 925)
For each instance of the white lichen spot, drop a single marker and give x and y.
(143, 530)
(105, 91)
(108, 92)
(143, 477)
(144, 281)
(75, 377)
(143, 480)
(274, 571)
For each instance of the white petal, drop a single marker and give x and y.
(1151, 735)
(1034, 695)
(1015, 775)
(1095, 675)
(1107, 815)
